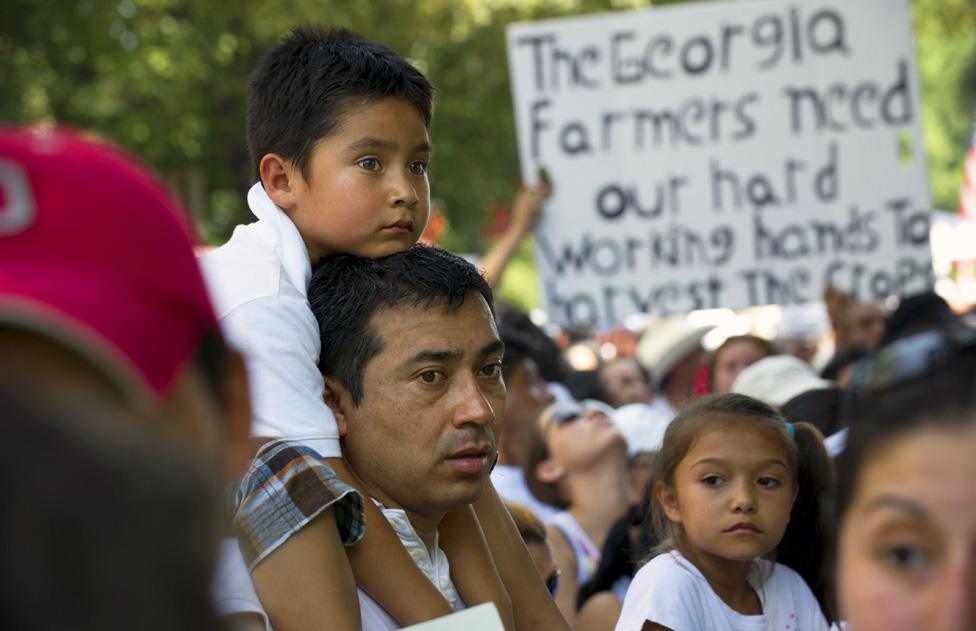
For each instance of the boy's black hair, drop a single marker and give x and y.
(302, 87)
(347, 291)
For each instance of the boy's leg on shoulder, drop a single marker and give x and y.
(293, 517)
(382, 567)
(307, 583)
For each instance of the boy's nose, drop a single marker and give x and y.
(403, 192)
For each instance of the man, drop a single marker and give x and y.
(412, 367)
(123, 408)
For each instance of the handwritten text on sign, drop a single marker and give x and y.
(723, 155)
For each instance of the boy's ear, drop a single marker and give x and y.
(669, 501)
(278, 177)
(338, 400)
(549, 471)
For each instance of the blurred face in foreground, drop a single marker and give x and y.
(907, 550)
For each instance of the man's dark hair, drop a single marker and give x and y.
(302, 87)
(346, 291)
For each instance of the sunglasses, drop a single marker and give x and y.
(552, 583)
(910, 358)
(568, 411)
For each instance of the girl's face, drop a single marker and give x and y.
(907, 552)
(733, 492)
(733, 359)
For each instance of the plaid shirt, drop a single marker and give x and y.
(286, 487)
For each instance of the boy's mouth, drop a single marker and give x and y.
(402, 226)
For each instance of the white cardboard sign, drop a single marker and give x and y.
(723, 154)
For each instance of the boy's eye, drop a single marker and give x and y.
(904, 557)
(370, 164)
(432, 376)
(418, 168)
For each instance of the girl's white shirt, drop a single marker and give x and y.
(671, 592)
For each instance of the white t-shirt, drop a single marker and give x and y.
(258, 281)
(671, 592)
(509, 482)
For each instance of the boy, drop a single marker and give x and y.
(337, 130)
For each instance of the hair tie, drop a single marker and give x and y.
(791, 430)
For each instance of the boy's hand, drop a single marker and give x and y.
(527, 206)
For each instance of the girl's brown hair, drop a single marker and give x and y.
(805, 543)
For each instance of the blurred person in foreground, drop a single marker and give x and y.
(906, 502)
(109, 342)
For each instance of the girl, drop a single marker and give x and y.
(730, 474)
(906, 498)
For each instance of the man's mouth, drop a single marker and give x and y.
(471, 459)
(744, 526)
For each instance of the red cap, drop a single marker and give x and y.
(96, 254)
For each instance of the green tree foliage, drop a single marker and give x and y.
(168, 80)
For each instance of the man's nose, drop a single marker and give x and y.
(472, 405)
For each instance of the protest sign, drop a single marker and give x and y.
(723, 154)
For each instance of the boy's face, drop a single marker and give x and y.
(367, 192)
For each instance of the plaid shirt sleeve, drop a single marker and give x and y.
(285, 488)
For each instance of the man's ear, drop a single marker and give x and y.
(236, 399)
(669, 501)
(549, 471)
(339, 401)
(279, 179)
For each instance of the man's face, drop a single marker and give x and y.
(423, 436)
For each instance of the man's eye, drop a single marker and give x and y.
(907, 558)
(418, 168)
(492, 370)
(370, 164)
(431, 376)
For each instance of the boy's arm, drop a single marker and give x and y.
(532, 604)
(306, 583)
(472, 567)
(382, 566)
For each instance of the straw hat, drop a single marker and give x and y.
(776, 379)
(666, 343)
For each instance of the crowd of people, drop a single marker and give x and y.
(323, 424)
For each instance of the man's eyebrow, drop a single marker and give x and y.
(491, 348)
(901, 504)
(389, 145)
(434, 356)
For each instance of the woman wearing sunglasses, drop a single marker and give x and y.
(577, 461)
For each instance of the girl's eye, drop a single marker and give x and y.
(907, 557)
(370, 164)
(768, 482)
(418, 168)
(711, 480)
(432, 376)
